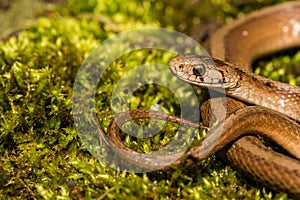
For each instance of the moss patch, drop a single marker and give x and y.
(41, 153)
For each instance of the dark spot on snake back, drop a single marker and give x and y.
(269, 84)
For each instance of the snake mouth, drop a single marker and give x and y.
(204, 81)
(200, 81)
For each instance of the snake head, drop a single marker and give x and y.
(200, 70)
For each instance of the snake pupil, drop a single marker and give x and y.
(199, 71)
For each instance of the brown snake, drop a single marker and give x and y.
(274, 117)
(262, 32)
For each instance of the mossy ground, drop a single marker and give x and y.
(41, 153)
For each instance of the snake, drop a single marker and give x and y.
(276, 113)
(257, 105)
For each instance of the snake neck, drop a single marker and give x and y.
(257, 90)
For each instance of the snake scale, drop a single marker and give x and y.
(274, 107)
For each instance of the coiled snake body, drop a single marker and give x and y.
(277, 109)
(238, 43)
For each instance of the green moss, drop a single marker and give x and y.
(281, 67)
(41, 153)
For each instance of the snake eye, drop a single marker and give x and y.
(199, 70)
